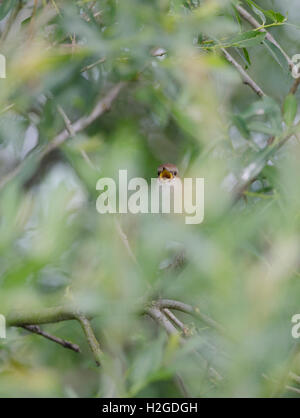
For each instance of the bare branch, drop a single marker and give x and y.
(90, 66)
(181, 386)
(295, 377)
(159, 317)
(101, 107)
(43, 316)
(188, 309)
(245, 76)
(37, 330)
(92, 340)
(125, 241)
(157, 311)
(295, 86)
(176, 321)
(72, 133)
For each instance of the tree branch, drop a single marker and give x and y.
(102, 106)
(37, 330)
(29, 321)
(176, 321)
(155, 313)
(159, 317)
(188, 309)
(43, 316)
(245, 76)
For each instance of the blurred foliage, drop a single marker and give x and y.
(183, 103)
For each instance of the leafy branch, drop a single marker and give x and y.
(103, 105)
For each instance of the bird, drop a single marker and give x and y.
(170, 184)
(168, 178)
(168, 174)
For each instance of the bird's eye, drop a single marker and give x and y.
(175, 173)
(158, 173)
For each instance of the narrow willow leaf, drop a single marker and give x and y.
(246, 55)
(273, 113)
(5, 7)
(241, 125)
(241, 54)
(238, 17)
(290, 106)
(277, 55)
(259, 13)
(245, 40)
(274, 16)
(261, 127)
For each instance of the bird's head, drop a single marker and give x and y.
(167, 172)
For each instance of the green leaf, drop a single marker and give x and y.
(238, 17)
(5, 7)
(241, 125)
(246, 55)
(245, 40)
(277, 55)
(261, 127)
(259, 13)
(290, 106)
(269, 113)
(274, 16)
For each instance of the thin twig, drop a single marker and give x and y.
(125, 241)
(92, 340)
(295, 86)
(276, 383)
(101, 107)
(181, 385)
(90, 66)
(293, 389)
(159, 317)
(295, 377)
(162, 320)
(188, 309)
(176, 321)
(67, 121)
(72, 133)
(245, 76)
(253, 22)
(67, 344)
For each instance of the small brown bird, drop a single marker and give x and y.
(170, 184)
(168, 174)
(168, 178)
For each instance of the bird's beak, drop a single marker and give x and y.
(166, 174)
